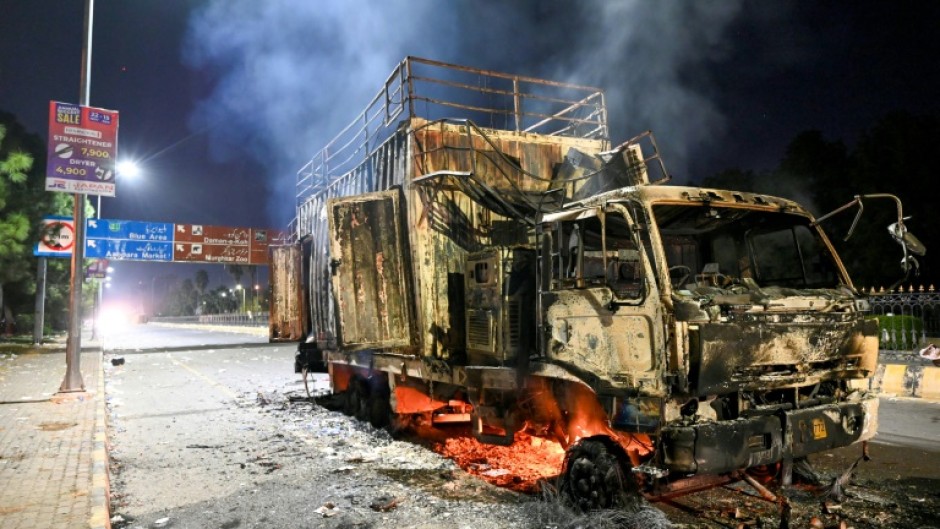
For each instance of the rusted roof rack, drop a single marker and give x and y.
(433, 90)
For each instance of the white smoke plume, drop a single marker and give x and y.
(286, 75)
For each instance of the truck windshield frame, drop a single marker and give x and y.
(719, 246)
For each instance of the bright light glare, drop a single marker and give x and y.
(113, 319)
(128, 168)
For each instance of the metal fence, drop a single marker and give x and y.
(909, 318)
(250, 319)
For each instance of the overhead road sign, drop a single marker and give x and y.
(222, 244)
(82, 149)
(128, 250)
(132, 240)
(129, 240)
(131, 230)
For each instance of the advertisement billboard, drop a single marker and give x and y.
(82, 149)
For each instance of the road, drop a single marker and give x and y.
(201, 433)
(910, 423)
(155, 337)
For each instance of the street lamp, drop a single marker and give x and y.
(128, 168)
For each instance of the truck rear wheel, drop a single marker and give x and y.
(357, 399)
(593, 478)
(380, 407)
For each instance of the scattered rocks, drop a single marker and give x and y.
(384, 504)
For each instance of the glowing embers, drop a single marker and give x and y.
(519, 466)
(560, 416)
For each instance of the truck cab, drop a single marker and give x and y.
(722, 324)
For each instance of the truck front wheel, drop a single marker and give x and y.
(593, 478)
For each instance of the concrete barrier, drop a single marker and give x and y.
(912, 379)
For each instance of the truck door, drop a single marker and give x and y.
(370, 280)
(288, 310)
(599, 303)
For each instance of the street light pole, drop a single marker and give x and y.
(242, 289)
(73, 349)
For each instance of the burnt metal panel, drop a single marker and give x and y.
(823, 428)
(793, 350)
(624, 345)
(724, 446)
(508, 162)
(369, 272)
(288, 312)
(500, 284)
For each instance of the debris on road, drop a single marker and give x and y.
(327, 510)
(384, 504)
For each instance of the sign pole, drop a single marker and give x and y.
(39, 315)
(73, 348)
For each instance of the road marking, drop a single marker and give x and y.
(212, 382)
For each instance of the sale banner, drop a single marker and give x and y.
(82, 149)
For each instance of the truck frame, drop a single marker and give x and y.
(527, 275)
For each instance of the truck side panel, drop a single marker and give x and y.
(288, 312)
(370, 278)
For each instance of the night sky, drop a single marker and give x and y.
(222, 102)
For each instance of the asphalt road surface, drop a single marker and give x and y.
(149, 337)
(202, 434)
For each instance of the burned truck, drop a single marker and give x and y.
(512, 269)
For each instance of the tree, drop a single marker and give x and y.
(219, 301)
(236, 271)
(182, 300)
(23, 202)
(14, 224)
(202, 282)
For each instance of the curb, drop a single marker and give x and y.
(100, 481)
(905, 380)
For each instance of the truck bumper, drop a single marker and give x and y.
(724, 446)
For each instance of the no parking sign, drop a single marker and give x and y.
(56, 238)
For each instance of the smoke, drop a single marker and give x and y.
(287, 75)
(653, 61)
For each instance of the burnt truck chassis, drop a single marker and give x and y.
(680, 458)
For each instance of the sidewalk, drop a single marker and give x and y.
(53, 461)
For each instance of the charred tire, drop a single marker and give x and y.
(380, 409)
(593, 478)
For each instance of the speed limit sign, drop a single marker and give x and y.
(56, 238)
